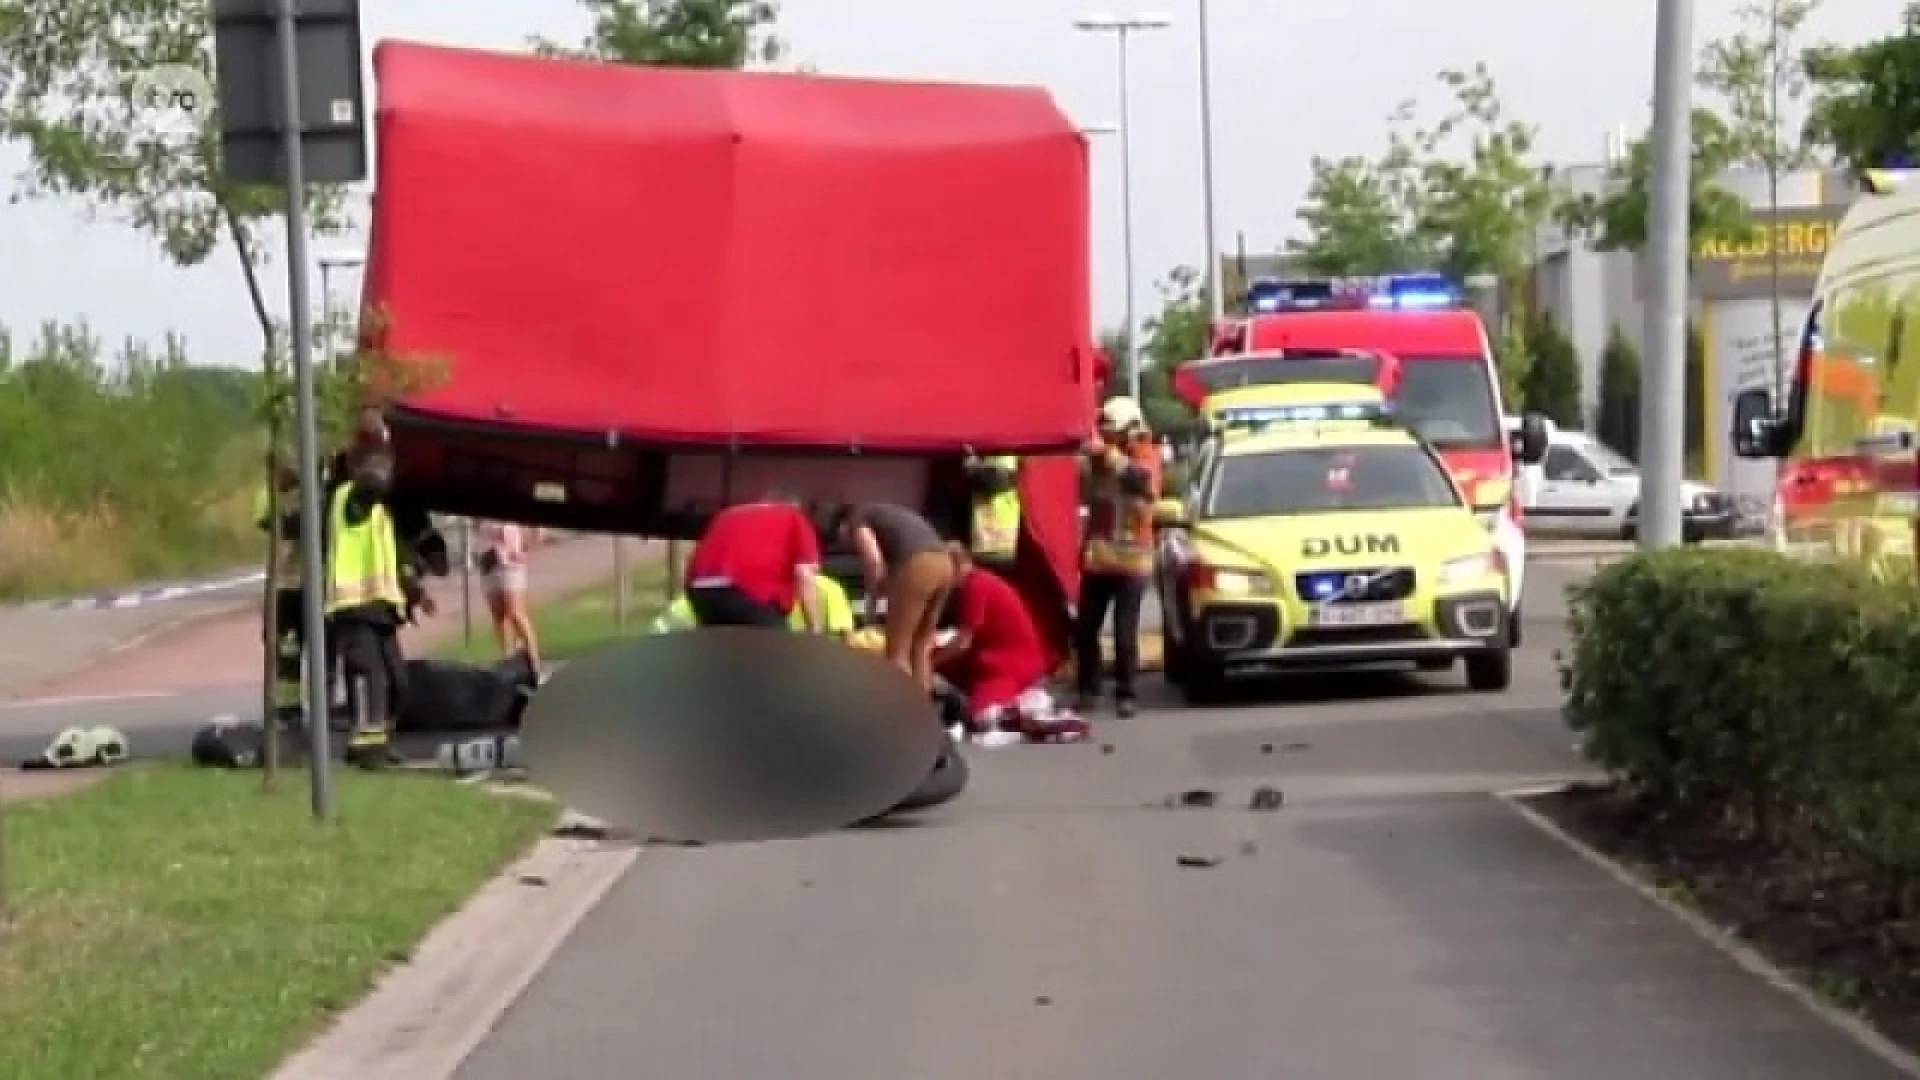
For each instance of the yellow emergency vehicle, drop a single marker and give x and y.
(1323, 534)
(1846, 433)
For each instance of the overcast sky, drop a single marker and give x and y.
(1291, 80)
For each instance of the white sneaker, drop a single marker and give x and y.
(998, 738)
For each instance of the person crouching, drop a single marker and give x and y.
(997, 660)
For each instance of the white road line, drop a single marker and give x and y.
(82, 699)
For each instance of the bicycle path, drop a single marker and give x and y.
(1393, 919)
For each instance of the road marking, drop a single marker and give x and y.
(83, 699)
(1746, 956)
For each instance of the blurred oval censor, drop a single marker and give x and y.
(730, 734)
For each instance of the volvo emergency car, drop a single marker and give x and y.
(1846, 432)
(1446, 385)
(1325, 536)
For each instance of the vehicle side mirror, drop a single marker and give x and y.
(1757, 430)
(1530, 442)
(1170, 514)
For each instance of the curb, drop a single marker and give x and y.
(1749, 958)
(424, 1018)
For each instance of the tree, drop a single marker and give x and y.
(1178, 332)
(1759, 73)
(1552, 383)
(1176, 335)
(1866, 98)
(1617, 218)
(1484, 196)
(1361, 214)
(1618, 422)
(677, 33)
(75, 99)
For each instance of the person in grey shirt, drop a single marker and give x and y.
(905, 560)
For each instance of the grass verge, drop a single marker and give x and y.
(47, 553)
(175, 923)
(578, 622)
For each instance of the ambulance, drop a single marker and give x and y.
(1845, 435)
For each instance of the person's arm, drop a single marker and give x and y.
(873, 566)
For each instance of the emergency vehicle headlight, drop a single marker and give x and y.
(1242, 583)
(1468, 569)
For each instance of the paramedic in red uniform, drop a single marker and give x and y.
(753, 565)
(996, 658)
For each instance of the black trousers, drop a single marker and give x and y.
(370, 658)
(290, 620)
(1120, 594)
(726, 605)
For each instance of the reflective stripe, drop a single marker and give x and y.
(996, 524)
(363, 565)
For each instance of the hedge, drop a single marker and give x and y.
(1778, 695)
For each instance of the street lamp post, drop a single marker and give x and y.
(1216, 302)
(1123, 27)
(1663, 396)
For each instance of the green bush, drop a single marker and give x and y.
(1780, 697)
(118, 467)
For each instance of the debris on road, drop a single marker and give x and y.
(533, 880)
(1199, 862)
(1194, 799)
(1267, 799)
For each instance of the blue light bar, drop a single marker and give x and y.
(1422, 290)
(1271, 295)
(1262, 416)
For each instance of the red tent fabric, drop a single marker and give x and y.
(737, 258)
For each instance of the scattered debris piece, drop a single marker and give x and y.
(1296, 747)
(1106, 748)
(1199, 862)
(580, 830)
(1267, 799)
(1195, 799)
(1043, 1000)
(806, 883)
(535, 880)
(1266, 748)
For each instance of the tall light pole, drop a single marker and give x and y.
(1663, 422)
(1216, 301)
(1123, 27)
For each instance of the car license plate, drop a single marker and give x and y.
(1359, 614)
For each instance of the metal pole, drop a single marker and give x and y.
(622, 588)
(466, 578)
(320, 769)
(1663, 391)
(1216, 302)
(1126, 216)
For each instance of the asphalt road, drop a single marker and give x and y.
(1393, 920)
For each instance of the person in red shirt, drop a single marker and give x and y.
(753, 564)
(997, 659)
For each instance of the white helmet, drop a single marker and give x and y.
(1121, 414)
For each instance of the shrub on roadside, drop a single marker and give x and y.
(119, 467)
(1779, 697)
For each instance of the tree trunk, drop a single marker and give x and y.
(270, 583)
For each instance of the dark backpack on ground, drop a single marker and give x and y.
(447, 697)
